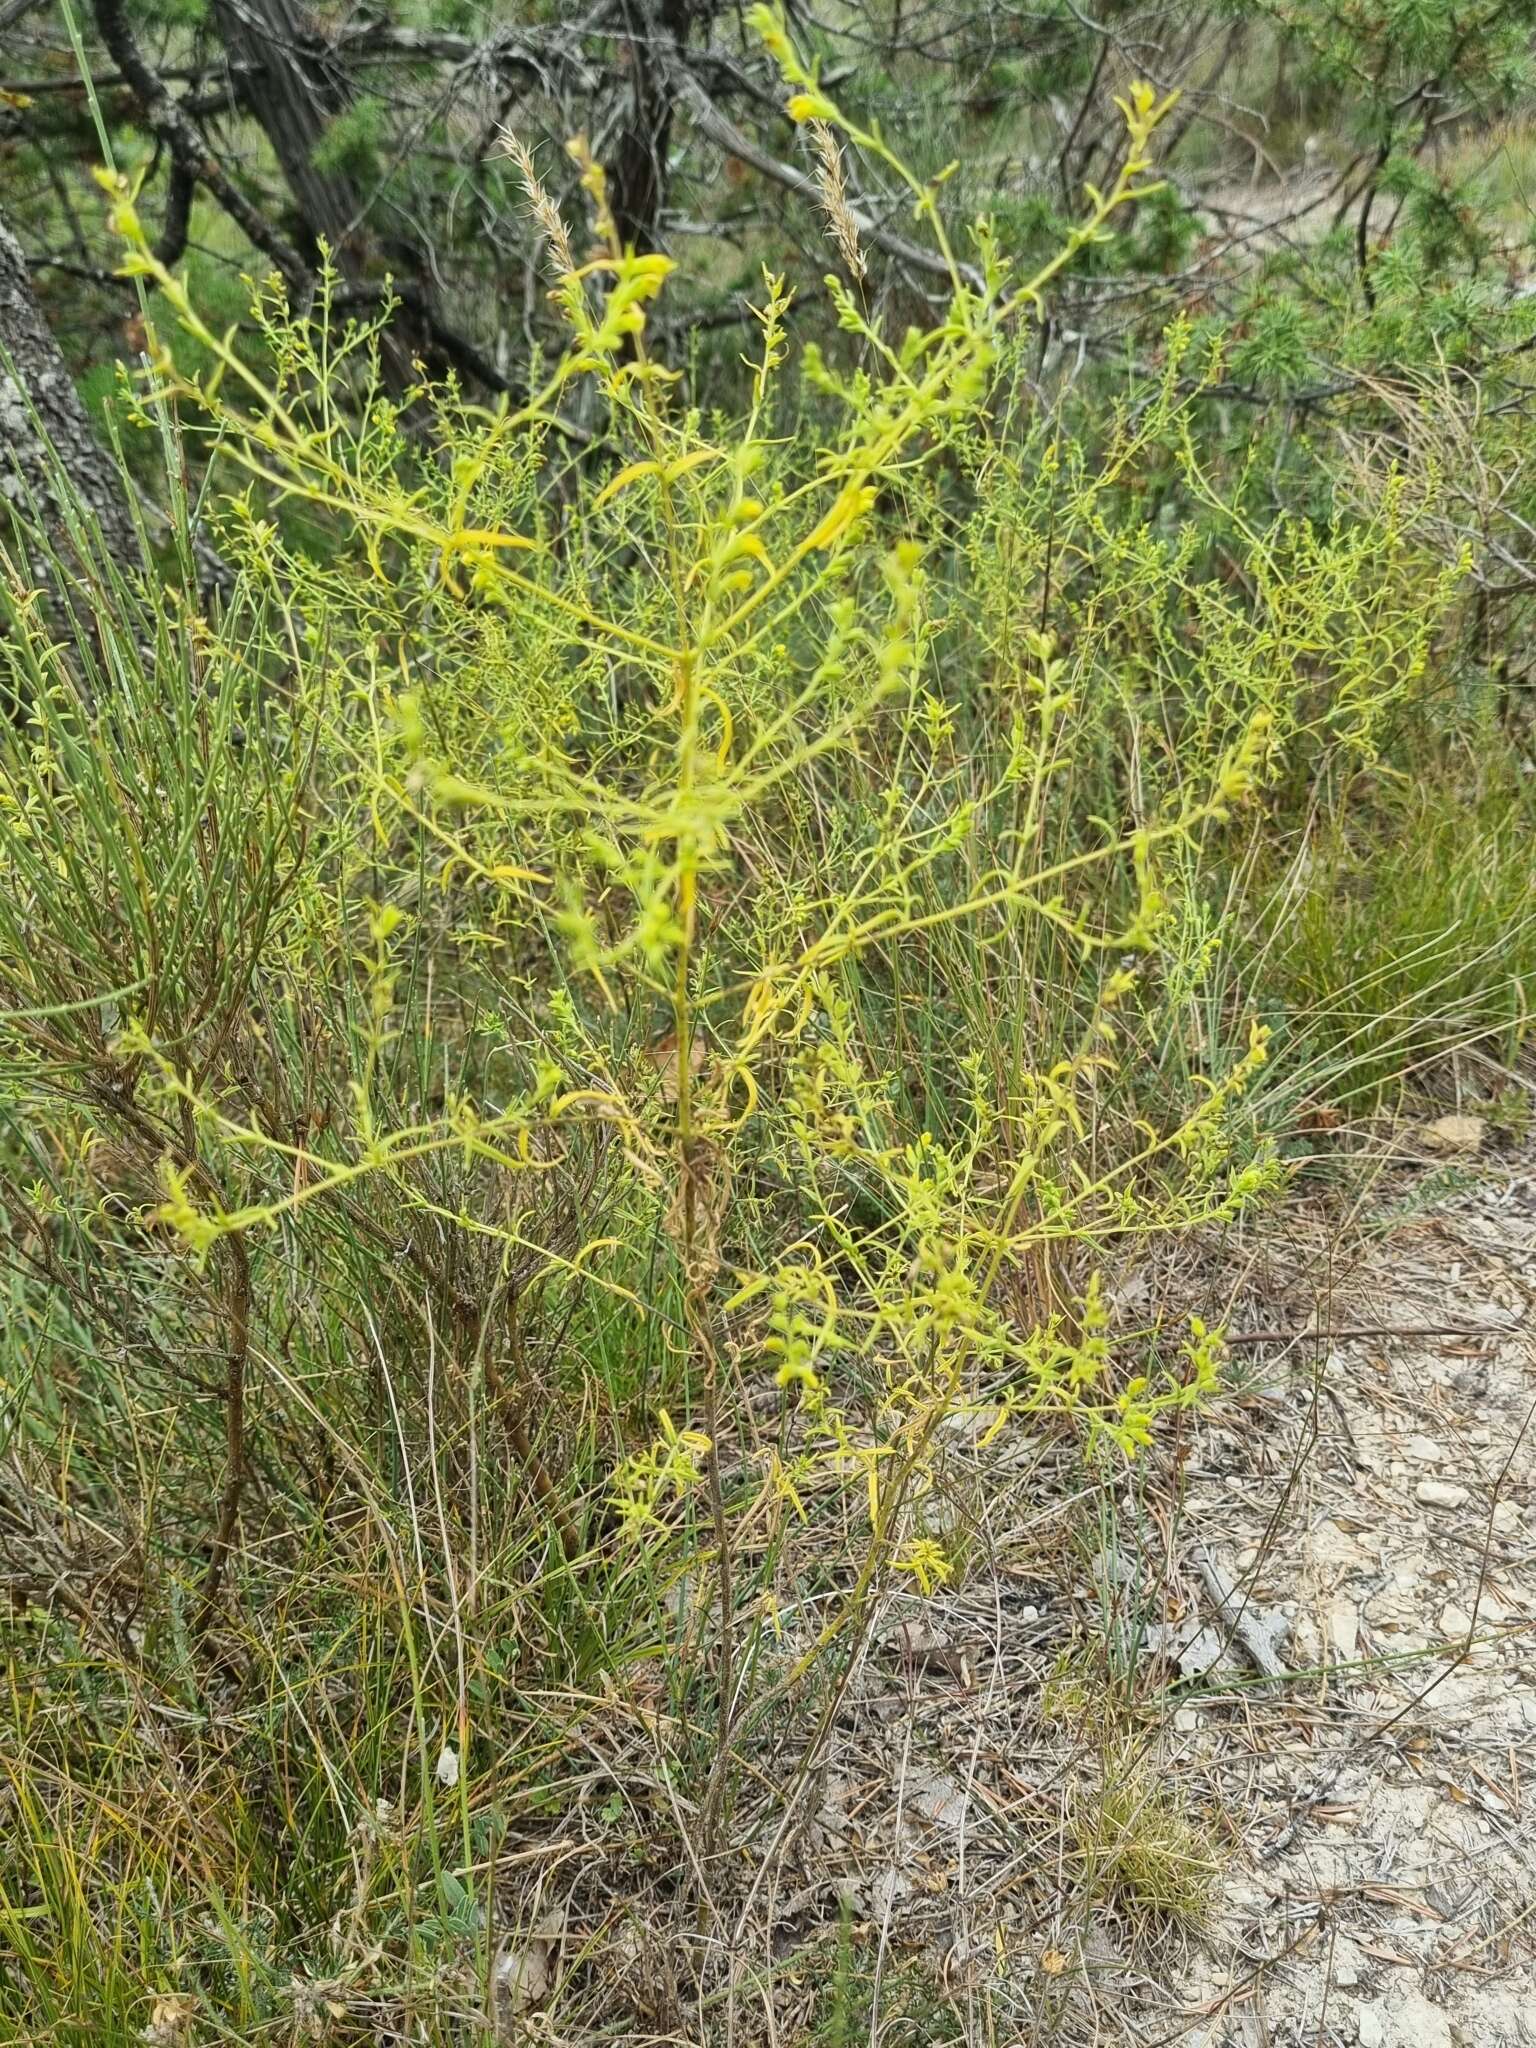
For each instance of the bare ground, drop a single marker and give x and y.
(1360, 1515)
(1384, 1891)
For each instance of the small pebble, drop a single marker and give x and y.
(1370, 2027)
(1440, 1493)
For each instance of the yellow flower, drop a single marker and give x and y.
(926, 1561)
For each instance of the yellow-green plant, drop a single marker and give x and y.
(588, 716)
(577, 1056)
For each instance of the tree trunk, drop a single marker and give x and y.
(655, 32)
(295, 85)
(38, 406)
(294, 90)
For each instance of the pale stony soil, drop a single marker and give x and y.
(1380, 1496)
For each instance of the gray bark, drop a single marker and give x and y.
(294, 87)
(38, 406)
(294, 84)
